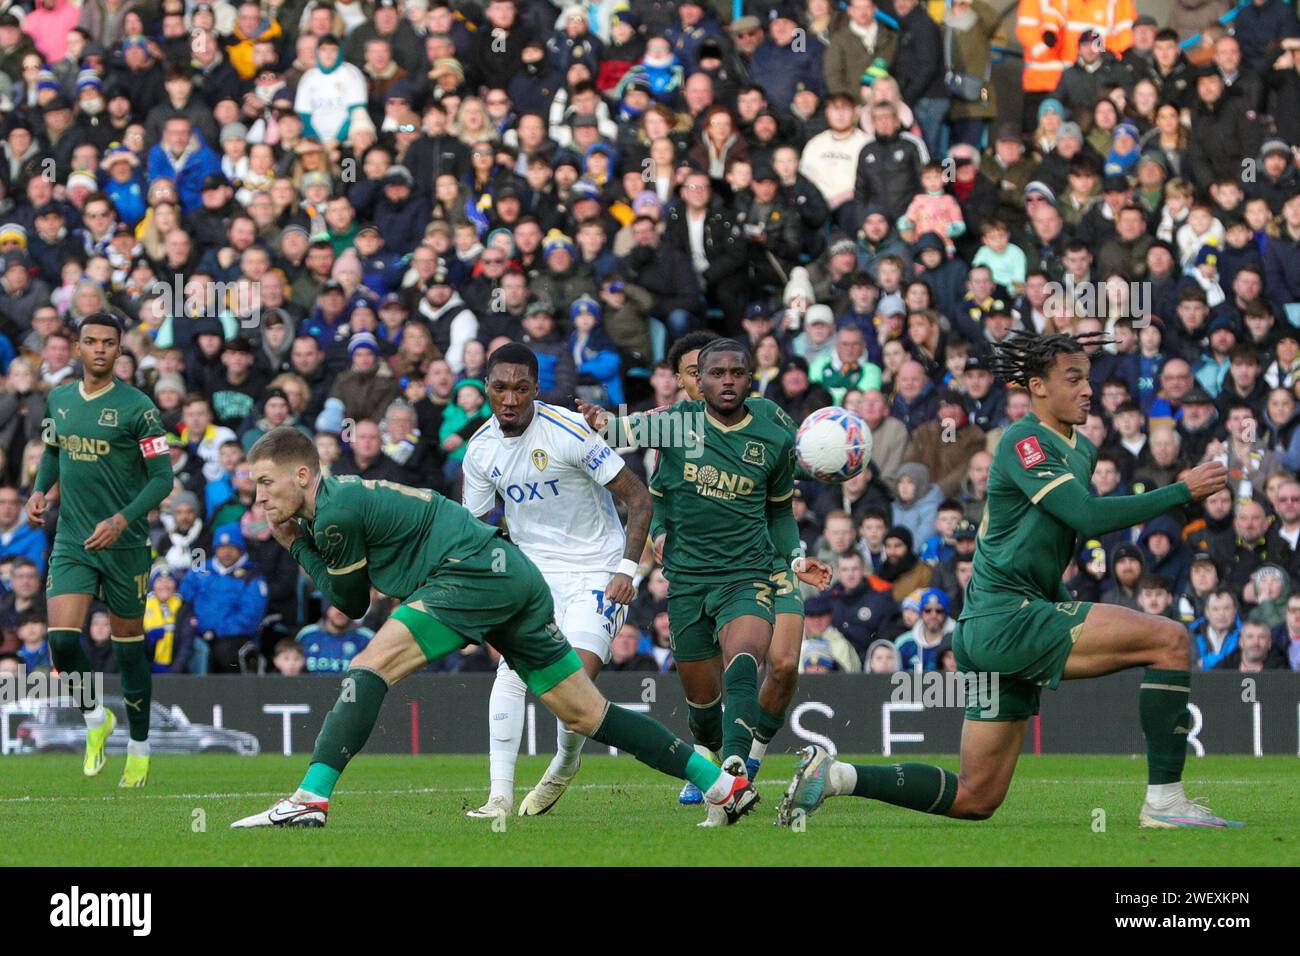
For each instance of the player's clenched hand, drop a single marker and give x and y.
(106, 533)
(36, 506)
(620, 590)
(286, 532)
(815, 572)
(595, 415)
(1206, 478)
(658, 549)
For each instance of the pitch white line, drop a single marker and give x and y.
(426, 790)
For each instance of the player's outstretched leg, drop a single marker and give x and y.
(505, 730)
(778, 687)
(137, 696)
(818, 775)
(577, 702)
(391, 656)
(1114, 638)
(989, 751)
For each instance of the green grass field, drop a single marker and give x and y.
(409, 811)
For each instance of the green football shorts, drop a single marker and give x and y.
(1025, 647)
(697, 611)
(117, 576)
(498, 597)
(789, 599)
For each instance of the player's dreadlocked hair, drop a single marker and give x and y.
(1025, 355)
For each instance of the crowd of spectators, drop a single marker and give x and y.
(325, 214)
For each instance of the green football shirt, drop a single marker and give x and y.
(1022, 550)
(111, 445)
(714, 490)
(396, 534)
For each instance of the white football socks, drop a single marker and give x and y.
(137, 748)
(1161, 795)
(841, 779)
(757, 750)
(505, 730)
(567, 750)
(94, 718)
(721, 788)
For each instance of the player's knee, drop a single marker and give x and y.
(975, 806)
(783, 666)
(582, 722)
(976, 802)
(1175, 645)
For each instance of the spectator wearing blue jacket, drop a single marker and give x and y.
(226, 599)
(1282, 257)
(1216, 633)
(1260, 28)
(916, 400)
(695, 24)
(594, 353)
(183, 157)
(18, 539)
(401, 214)
(557, 376)
(328, 325)
(330, 644)
(125, 185)
(781, 69)
(920, 648)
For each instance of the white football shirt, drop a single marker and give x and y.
(552, 479)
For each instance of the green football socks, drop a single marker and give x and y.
(69, 657)
(741, 682)
(345, 731)
(916, 786)
(655, 746)
(1162, 710)
(137, 683)
(769, 725)
(705, 721)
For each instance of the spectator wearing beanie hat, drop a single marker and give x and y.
(466, 414)
(594, 354)
(161, 613)
(919, 649)
(367, 387)
(1126, 568)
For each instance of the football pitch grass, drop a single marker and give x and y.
(409, 811)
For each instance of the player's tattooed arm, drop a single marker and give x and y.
(630, 490)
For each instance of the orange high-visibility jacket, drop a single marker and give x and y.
(1113, 19)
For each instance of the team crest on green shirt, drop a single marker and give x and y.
(108, 417)
(540, 460)
(754, 453)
